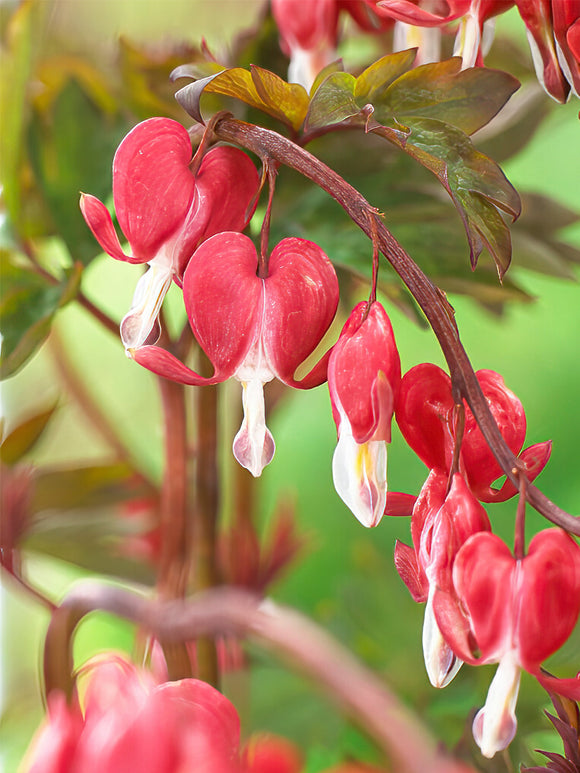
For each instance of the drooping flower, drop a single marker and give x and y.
(165, 211)
(441, 523)
(475, 17)
(425, 414)
(364, 371)
(514, 612)
(553, 28)
(253, 329)
(129, 722)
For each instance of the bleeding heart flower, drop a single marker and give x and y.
(131, 723)
(515, 613)
(553, 28)
(253, 329)
(165, 211)
(441, 523)
(425, 415)
(364, 371)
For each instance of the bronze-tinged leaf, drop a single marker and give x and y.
(286, 101)
(28, 304)
(467, 99)
(373, 82)
(336, 66)
(24, 437)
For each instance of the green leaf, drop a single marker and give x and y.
(475, 183)
(24, 437)
(333, 102)
(28, 303)
(72, 145)
(18, 61)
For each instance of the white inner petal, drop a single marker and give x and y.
(495, 724)
(359, 471)
(141, 319)
(254, 445)
(441, 662)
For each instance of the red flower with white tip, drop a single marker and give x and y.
(165, 211)
(364, 371)
(425, 415)
(253, 329)
(441, 522)
(515, 612)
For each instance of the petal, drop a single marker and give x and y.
(549, 599)
(364, 373)
(301, 296)
(410, 572)
(254, 445)
(163, 363)
(424, 412)
(537, 16)
(400, 504)
(99, 221)
(483, 576)
(408, 11)
(534, 459)
(359, 472)
(481, 467)
(153, 186)
(495, 724)
(141, 320)
(223, 299)
(227, 185)
(306, 25)
(441, 662)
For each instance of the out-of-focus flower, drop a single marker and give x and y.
(252, 328)
(129, 722)
(441, 523)
(165, 211)
(364, 371)
(514, 612)
(425, 414)
(309, 32)
(553, 28)
(475, 30)
(268, 753)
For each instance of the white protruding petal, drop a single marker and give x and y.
(138, 324)
(359, 471)
(305, 65)
(495, 724)
(254, 445)
(441, 662)
(427, 41)
(467, 41)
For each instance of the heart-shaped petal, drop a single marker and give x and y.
(153, 187)
(364, 372)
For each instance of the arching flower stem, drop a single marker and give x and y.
(430, 298)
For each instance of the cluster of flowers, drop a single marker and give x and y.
(128, 720)
(309, 33)
(259, 321)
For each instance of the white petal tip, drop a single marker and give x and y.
(359, 472)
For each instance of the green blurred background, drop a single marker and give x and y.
(345, 578)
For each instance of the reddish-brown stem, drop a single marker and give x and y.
(520, 525)
(205, 516)
(432, 301)
(353, 688)
(270, 171)
(14, 572)
(458, 429)
(175, 538)
(375, 266)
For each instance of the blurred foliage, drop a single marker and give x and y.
(63, 117)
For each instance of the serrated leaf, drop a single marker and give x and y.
(28, 304)
(24, 437)
(257, 88)
(475, 183)
(71, 149)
